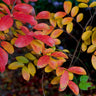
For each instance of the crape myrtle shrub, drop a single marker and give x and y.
(40, 43)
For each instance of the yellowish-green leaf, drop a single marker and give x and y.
(88, 28)
(69, 27)
(86, 35)
(91, 49)
(22, 59)
(88, 41)
(66, 50)
(83, 5)
(94, 38)
(59, 22)
(31, 69)
(94, 29)
(18, 24)
(20, 32)
(25, 73)
(79, 17)
(84, 1)
(13, 40)
(93, 4)
(48, 69)
(74, 11)
(55, 80)
(15, 65)
(84, 47)
(35, 62)
(30, 56)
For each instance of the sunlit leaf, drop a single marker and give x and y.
(64, 80)
(43, 15)
(74, 11)
(79, 17)
(55, 80)
(91, 49)
(48, 69)
(94, 38)
(56, 33)
(59, 14)
(69, 27)
(93, 60)
(93, 4)
(67, 20)
(60, 71)
(15, 65)
(3, 60)
(67, 6)
(43, 61)
(84, 1)
(77, 70)
(83, 5)
(5, 22)
(8, 47)
(22, 59)
(71, 75)
(31, 69)
(84, 47)
(86, 35)
(73, 87)
(25, 73)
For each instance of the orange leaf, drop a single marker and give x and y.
(23, 41)
(24, 18)
(79, 17)
(43, 61)
(25, 73)
(67, 20)
(59, 15)
(7, 2)
(8, 47)
(3, 59)
(43, 15)
(64, 80)
(41, 26)
(2, 36)
(48, 51)
(93, 60)
(67, 6)
(26, 8)
(55, 80)
(74, 11)
(56, 33)
(73, 87)
(57, 41)
(77, 70)
(59, 54)
(60, 71)
(5, 22)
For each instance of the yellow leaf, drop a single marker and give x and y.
(94, 29)
(15, 65)
(74, 11)
(69, 27)
(30, 56)
(79, 17)
(82, 5)
(84, 1)
(13, 40)
(67, 20)
(88, 41)
(93, 4)
(66, 50)
(56, 33)
(71, 75)
(18, 24)
(25, 73)
(84, 47)
(94, 38)
(86, 35)
(6, 31)
(48, 69)
(88, 28)
(59, 22)
(67, 6)
(31, 69)
(55, 80)
(20, 32)
(35, 61)
(93, 60)
(91, 49)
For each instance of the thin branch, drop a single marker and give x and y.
(13, 6)
(42, 84)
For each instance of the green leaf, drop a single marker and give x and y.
(22, 59)
(83, 78)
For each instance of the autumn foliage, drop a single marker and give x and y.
(42, 39)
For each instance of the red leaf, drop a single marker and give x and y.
(73, 87)
(43, 15)
(59, 14)
(7, 2)
(26, 8)
(64, 80)
(5, 22)
(25, 18)
(77, 70)
(3, 59)
(24, 29)
(23, 41)
(46, 39)
(17, 1)
(43, 61)
(41, 26)
(59, 54)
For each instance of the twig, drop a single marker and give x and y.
(42, 84)
(13, 6)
